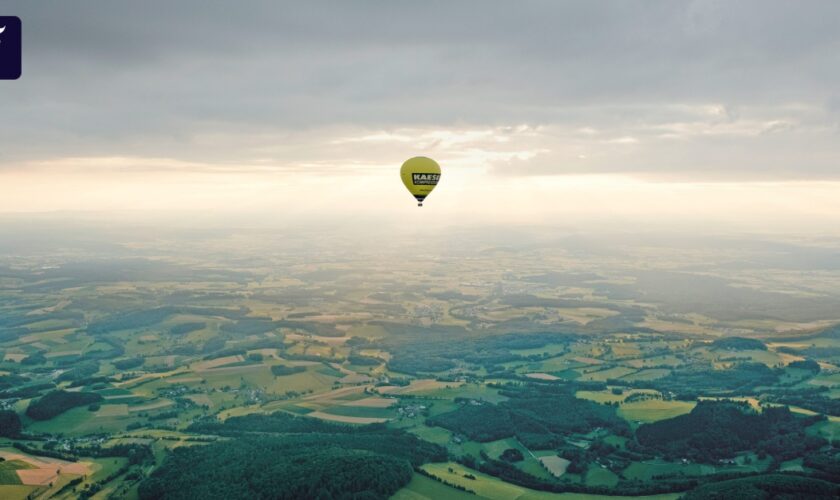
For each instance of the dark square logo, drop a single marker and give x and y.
(10, 48)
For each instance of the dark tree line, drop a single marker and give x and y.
(767, 487)
(424, 356)
(537, 414)
(717, 430)
(10, 425)
(57, 402)
(289, 457)
(282, 370)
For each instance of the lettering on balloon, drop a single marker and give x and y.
(425, 179)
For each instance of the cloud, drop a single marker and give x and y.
(691, 90)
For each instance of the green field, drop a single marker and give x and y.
(473, 391)
(598, 476)
(493, 488)
(530, 464)
(16, 491)
(829, 429)
(609, 397)
(484, 485)
(424, 488)
(80, 421)
(436, 435)
(648, 374)
(609, 373)
(653, 410)
(8, 476)
(359, 411)
(646, 471)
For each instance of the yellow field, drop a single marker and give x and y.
(418, 386)
(372, 402)
(609, 397)
(155, 405)
(587, 360)
(555, 465)
(346, 419)
(201, 399)
(57, 354)
(45, 470)
(214, 363)
(16, 491)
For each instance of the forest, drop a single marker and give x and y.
(772, 486)
(423, 355)
(716, 430)
(291, 457)
(702, 378)
(537, 414)
(57, 402)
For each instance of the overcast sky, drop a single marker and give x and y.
(173, 93)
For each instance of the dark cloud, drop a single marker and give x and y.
(157, 78)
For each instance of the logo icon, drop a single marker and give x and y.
(10, 48)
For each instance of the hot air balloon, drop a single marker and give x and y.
(420, 175)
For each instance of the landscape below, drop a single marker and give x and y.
(496, 372)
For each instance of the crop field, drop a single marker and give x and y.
(153, 405)
(473, 391)
(9, 470)
(648, 374)
(346, 419)
(610, 397)
(435, 435)
(425, 488)
(113, 410)
(484, 485)
(648, 470)
(23, 474)
(373, 402)
(610, 373)
(423, 387)
(555, 465)
(653, 410)
(491, 487)
(359, 411)
(80, 421)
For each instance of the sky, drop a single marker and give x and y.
(711, 111)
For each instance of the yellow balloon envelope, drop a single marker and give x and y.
(420, 176)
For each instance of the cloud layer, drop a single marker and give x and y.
(690, 91)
